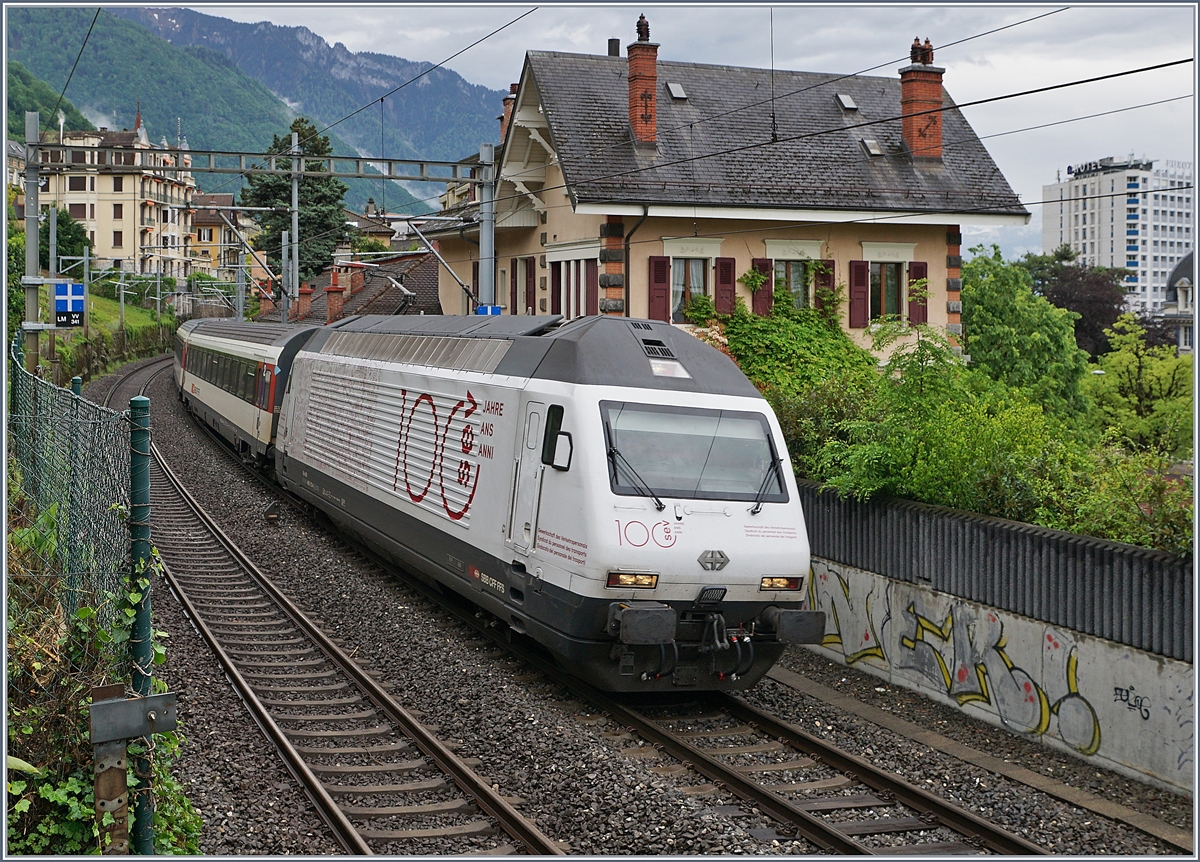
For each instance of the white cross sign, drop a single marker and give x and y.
(68, 304)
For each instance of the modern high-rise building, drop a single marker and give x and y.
(1152, 234)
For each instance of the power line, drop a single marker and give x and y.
(54, 112)
(422, 74)
(840, 129)
(867, 123)
(837, 78)
(396, 89)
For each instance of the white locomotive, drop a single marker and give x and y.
(614, 489)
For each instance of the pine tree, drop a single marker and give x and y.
(322, 222)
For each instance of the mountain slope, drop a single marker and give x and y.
(440, 117)
(218, 106)
(27, 92)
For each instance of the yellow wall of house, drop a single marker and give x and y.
(742, 240)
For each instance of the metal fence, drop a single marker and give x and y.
(68, 541)
(1134, 596)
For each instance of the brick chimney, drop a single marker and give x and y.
(921, 90)
(506, 117)
(643, 85)
(304, 303)
(266, 303)
(333, 300)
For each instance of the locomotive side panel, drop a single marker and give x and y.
(413, 462)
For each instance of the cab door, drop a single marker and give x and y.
(528, 470)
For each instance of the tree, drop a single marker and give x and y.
(1095, 293)
(15, 290)
(71, 237)
(1144, 392)
(1019, 338)
(321, 220)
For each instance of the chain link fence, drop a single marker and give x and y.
(68, 564)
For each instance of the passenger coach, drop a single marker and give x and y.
(232, 376)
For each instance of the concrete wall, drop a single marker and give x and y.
(1126, 709)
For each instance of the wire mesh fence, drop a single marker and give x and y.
(68, 564)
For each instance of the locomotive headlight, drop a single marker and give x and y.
(780, 582)
(635, 580)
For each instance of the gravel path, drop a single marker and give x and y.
(570, 770)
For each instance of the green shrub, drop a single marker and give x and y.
(793, 350)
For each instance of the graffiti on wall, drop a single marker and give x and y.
(959, 650)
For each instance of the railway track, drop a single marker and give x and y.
(381, 780)
(815, 792)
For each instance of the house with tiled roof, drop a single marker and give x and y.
(628, 184)
(405, 283)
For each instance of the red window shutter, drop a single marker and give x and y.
(822, 280)
(475, 279)
(726, 274)
(918, 310)
(592, 278)
(660, 288)
(860, 293)
(530, 292)
(513, 308)
(556, 288)
(764, 297)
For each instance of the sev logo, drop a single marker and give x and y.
(713, 561)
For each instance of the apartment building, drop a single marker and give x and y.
(137, 214)
(1152, 235)
(222, 238)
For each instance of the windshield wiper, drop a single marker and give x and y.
(760, 497)
(614, 454)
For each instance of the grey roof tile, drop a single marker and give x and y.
(817, 162)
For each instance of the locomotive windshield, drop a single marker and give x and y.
(690, 453)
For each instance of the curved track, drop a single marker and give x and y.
(814, 791)
(381, 780)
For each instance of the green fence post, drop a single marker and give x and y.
(77, 385)
(139, 639)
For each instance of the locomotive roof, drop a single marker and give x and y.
(255, 333)
(598, 350)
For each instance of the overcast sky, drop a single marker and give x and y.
(1072, 44)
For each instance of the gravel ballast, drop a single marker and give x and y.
(574, 780)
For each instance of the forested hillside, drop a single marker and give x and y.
(192, 90)
(29, 93)
(445, 117)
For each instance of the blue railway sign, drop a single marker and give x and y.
(68, 304)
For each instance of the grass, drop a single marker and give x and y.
(105, 313)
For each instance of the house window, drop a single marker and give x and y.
(118, 238)
(77, 211)
(77, 184)
(1187, 336)
(792, 276)
(118, 184)
(205, 234)
(118, 211)
(689, 277)
(885, 289)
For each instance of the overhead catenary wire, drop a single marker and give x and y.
(704, 119)
(87, 36)
(838, 129)
(396, 89)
